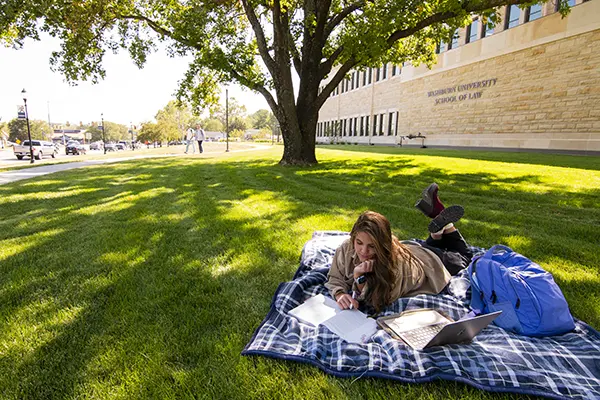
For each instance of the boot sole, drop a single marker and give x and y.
(448, 215)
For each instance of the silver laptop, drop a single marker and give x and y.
(445, 331)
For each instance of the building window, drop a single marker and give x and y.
(365, 77)
(442, 47)
(355, 126)
(390, 120)
(375, 117)
(533, 13)
(381, 124)
(343, 127)
(384, 71)
(362, 126)
(486, 29)
(396, 124)
(454, 42)
(473, 31)
(367, 125)
(352, 81)
(512, 16)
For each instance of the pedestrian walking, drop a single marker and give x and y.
(200, 137)
(190, 138)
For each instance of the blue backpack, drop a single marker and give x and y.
(532, 304)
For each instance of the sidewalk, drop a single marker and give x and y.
(17, 175)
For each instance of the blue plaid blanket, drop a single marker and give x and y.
(566, 366)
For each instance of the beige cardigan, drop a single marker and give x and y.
(424, 274)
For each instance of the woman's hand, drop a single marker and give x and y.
(363, 268)
(344, 300)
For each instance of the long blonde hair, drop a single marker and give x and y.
(388, 251)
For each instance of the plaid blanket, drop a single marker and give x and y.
(566, 366)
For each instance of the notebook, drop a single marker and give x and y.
(425, 327)
(353, 326)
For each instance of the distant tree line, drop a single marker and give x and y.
(171, 124)
(174, 119)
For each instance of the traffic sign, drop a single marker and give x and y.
(21, 112)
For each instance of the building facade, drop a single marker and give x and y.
(532, 82)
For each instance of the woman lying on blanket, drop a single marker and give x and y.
(375, 267)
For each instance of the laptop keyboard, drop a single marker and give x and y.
(418, 338)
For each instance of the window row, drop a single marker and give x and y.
(384, 124)
(359, 79)
(479, 28)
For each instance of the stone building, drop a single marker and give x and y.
(532, 82)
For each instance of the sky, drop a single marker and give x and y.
(127, 94)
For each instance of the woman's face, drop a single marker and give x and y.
(364, 246)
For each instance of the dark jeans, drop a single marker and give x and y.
(452, 249)
(200, 146)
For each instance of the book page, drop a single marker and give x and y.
(352, 325)
(413, 320)
(316, 310)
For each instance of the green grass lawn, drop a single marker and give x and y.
(145, 279)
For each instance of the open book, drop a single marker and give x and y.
(351, 325)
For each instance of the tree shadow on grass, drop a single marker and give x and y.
(154, 275)
(589, 161)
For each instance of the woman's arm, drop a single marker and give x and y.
(340, 278)
(337, 277)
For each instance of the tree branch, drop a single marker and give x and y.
(156, 27)
(292, 46)
(260, 37)
(337, 19)
(337, 78)
(326, 66)
(252, 86)
(469, 7)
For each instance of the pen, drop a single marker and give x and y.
(353, 297)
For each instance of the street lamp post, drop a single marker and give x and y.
(131, 126)
(24, 93)
(103, 139)
(227, 118)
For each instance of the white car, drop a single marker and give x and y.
(41, 148)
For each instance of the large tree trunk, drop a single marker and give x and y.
(298, 139)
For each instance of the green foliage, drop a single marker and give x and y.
(252, 43)
(149, 132)
(39, 129)
(234, 110)
(262, 119)
(95, 131)
(213, 125)
(172, 121)
(114, 132)
(236, 133)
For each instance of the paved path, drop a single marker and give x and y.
(26, 173)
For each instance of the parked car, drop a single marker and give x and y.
(96, 146)
(40, 148)
(110, 147)
(126, 144)
(75, 148)
(120, 146)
